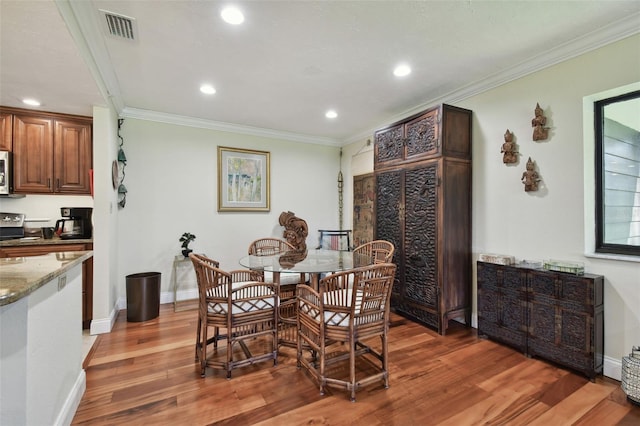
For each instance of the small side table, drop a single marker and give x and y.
(181, 275)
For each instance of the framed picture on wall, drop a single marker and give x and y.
(243, 180)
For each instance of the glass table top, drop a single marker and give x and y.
(312, 261)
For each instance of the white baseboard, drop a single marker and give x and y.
(71, 403)
(104, 325)
(612, 368)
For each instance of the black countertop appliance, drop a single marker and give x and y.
(76, 223)
(11, 226)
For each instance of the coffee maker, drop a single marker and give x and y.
(76, 223)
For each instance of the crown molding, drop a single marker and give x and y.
(590, 41)
(85, 30)
(161, 117)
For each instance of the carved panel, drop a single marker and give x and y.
(430, 227)
(389, 145)
(421, 269)
(502, 305)
(364, 195)
(543, 284)
(557, 312)
(422, 134)
(388, 221)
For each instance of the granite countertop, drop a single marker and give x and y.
(21, 276)
(31, 241)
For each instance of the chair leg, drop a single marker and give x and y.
(274, 348)
(203, 350)
(198, 341)
(352, 369)
(323, 379)
(385, 359)
(229, 354)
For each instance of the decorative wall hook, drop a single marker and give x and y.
(122, 190)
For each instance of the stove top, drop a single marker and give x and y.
(11, 226)
(11, 220)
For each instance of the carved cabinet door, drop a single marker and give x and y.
(502, 296)
(422, 136)
(561, 326)
(406, 215)
(389, 145)
(414, 140)
(388, 220)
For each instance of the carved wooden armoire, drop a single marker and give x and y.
(422, 168)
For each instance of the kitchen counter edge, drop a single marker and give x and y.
(18, 280)
(19, 242)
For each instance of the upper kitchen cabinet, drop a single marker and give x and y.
(433, 133)
(6, 131)
(52, 153)
(72, 156)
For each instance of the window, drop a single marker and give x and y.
(617, 146)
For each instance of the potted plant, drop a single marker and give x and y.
(185, 239)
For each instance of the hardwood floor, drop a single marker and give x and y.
(144, 373)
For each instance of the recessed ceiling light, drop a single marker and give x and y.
(207, 89)
(331, 114)
(232, 15)
(31, 102)
(402, 70)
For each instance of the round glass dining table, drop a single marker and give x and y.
(313, 262)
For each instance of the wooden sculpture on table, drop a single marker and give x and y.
(509, 153)
(296, 230)
(290, 258)
(530, 177)
(540, 132)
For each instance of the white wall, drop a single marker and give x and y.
(549, 223)
(105, 219)
(43, 206)
(171, 177)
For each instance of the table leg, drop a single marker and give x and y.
(315, 281)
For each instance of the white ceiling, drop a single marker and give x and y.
(290, 61)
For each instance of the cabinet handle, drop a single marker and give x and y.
(48, 182)
(58, 183)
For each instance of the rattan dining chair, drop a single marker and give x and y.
(377, 251)
(216, 264)
(341, 315)
(270, 246)
(241, 304)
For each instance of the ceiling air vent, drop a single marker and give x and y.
(120, 26)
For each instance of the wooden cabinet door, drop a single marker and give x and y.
(6, 131)
(561, 319)
(32, 154)
(406, 215)
(72, 157)
(389, 223)
(502, 296)
(421, 258)
(422, 136)
(388, 146)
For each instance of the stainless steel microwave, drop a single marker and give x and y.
(5, 172)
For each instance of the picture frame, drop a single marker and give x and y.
(243, 180)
